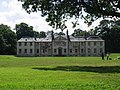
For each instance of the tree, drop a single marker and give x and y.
(59, 11)
(60, 33)
(7, 40)
(42, 34)
(23, 30)
(109, 30)
(2, 44)
(36, 34)
(79, 32)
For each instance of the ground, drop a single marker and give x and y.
(59, 73)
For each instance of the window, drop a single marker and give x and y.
(49, 51)
(70, 50)
(75, 44)
(89, 50)
(101, 43)
(25, 43)
(94, 43)
(76, 50)
(88, 43)
(37, 44)
(82, 43)
(20, 50)
(30, 43)
(81, 50)
(43, 51)
(37, 50)
(25, 50)
(64, 50)
(31, 50)
(55, 50)
(19, 43)
(95, 50)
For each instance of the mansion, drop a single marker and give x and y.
(61, 45)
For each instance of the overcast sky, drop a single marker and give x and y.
(11, 13)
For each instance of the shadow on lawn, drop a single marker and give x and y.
(98, 69)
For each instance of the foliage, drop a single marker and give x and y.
(109, 30)
(79, 32)
(36, 34)
(23, 30)
(59, 11)
(73, 73)
(7, 40)
(60, 33)
(2, 44)
(42, 34)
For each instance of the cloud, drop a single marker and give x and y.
(12, 14)
(4, 4)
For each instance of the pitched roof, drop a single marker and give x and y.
(64, 37)
(94, 38)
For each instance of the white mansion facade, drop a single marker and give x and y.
(61, 45)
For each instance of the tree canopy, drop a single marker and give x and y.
(109, 31)
(59, 11)
(79, 32)
(24, 30)
(7, 40)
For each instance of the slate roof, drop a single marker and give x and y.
(49, 38)
(94, 38)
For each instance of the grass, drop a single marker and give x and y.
(59, 73)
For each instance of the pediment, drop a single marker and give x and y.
(61, 37)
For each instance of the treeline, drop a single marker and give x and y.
(109, 30)
(7, 40)
(8, 37)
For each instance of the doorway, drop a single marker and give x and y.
(59, 51)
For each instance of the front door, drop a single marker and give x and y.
(59, 51)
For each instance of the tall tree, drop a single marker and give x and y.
(2, 45)
(23, 30)
(109, 30)
(7, 40)
(58, 11)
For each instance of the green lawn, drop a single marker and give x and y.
(59, 73)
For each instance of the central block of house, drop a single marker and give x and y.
(60, 45)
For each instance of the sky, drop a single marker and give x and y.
(12, 13)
